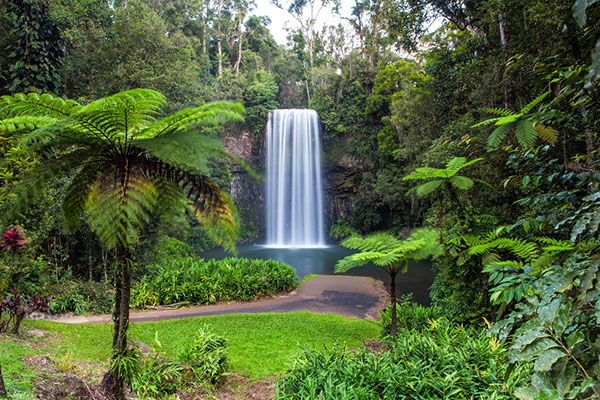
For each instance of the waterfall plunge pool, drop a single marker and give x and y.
(321, 261)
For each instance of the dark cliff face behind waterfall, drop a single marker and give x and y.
(246, 191)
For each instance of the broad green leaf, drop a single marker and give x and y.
(546, 360)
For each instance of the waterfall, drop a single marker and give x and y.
(294, 192)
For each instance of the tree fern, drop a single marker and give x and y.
(121, 162)
(391, 254)
(524, 125)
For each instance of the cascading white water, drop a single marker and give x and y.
(294, 191)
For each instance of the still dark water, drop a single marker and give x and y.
(322, 261)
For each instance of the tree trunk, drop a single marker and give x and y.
(112, 383)
(3, 393)
(393, 300)
(239, 57)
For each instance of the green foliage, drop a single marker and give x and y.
(555, 327)
(409, 315)
(526, 127)
(80, 297)
(388, 252)
(436, 360)
(440, 176)
(341, 230)
(206, 355)
(196, 281)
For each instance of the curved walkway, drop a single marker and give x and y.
(351, 296)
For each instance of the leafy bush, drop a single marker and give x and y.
(197, 281)
(202, 361)
(80, 297)
(556, 327)
(206, 355)
(438, 361)
(342, 230)
(409, 315)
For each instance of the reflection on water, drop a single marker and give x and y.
(322, 261)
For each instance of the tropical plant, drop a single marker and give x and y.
(437, 360)
(555, 326)
(526, 127)
(122, 163)
(446, 178)
(391, 254)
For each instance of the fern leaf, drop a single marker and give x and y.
(456, 163)
(503, 112)
(23, 123)
(461, 182)
(497, 136)
(526, 133)
(428, 187)
(486, 122)
(35, 105)
(547, 134)
(535, 102)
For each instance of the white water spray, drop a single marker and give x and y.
(294, 190)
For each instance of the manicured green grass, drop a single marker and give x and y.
(259, 345)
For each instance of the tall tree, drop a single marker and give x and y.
(122, 164)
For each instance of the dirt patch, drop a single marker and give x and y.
(51, 384)
(239, 387)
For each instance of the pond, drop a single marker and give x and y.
(322, 261)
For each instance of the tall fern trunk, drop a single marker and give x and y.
(114, 384)
(3, 393)
(393, 274)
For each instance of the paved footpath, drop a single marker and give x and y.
(351, 296)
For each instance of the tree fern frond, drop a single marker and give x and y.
(497, 136)
(25, 194)
(467, 163)
(547, 134)
(456, 163)
(486, 122)
(132, 109)
(77, 193)
(118, 213)
(214, 113)
(526, 133)
(24, 123)
(535, 102)
(461, 182)
(36, 105)
(503, 112)
(428, 187)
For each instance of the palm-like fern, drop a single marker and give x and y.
(121, 163)
(444, 179)
(391, 254)
(526, 128)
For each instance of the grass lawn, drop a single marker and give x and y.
(259, 345)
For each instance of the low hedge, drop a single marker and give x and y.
(198, 281)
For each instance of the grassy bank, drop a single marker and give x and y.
(259, 345)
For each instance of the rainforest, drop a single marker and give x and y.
(299, 199)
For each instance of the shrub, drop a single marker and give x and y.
(197, 281)
(206, 355)
(80, 297)
(436, 361)
(409, 315)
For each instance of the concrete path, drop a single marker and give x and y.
(351, 296)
